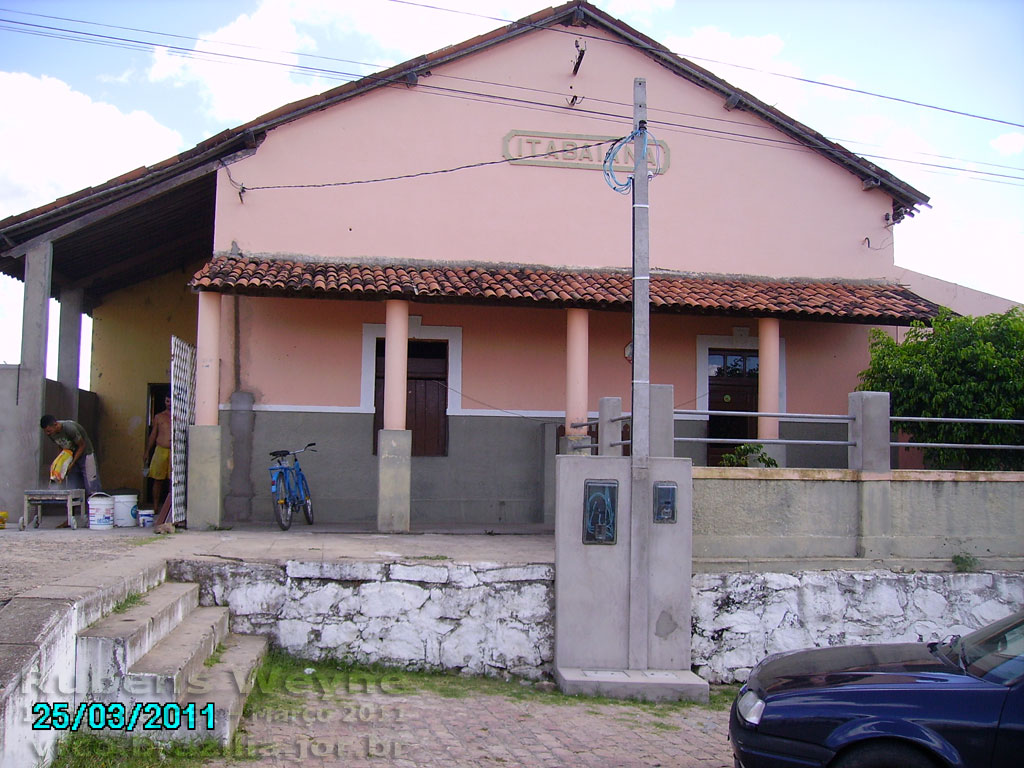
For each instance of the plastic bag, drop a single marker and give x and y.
(60, 466)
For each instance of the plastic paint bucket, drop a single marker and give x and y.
(126, 508)
(101, 512)
(145, 518)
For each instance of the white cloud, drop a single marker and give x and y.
(236, 91)
(756, 57)
(70, 143)
(1008, 143)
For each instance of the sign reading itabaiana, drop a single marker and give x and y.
(575, 150)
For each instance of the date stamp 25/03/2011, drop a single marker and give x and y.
(146, 716)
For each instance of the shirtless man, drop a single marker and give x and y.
(158, 451)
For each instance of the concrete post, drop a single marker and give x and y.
(869, 431)
(609, 429)
(205, 494)
(577, 371)
(769, 355)
(205, 500)
(396, 363)
(208, 360)
(394, 480)
(32, 375)
(394, 442)
(70, 351)
(662, 420)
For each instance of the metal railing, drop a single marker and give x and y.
(972, 446)
(829, 417)
(869, 430)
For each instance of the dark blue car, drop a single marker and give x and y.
(910, 705)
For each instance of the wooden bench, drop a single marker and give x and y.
(73, 497)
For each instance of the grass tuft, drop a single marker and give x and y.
(85, 750)
(131, 600)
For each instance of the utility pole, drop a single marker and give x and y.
(641, 502)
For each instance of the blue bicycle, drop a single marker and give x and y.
(288, 487)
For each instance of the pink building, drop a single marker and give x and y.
(446, 208)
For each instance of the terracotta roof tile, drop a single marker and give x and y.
(867, 302)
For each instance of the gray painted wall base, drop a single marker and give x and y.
(205, 486)
(644, 684)
(394, 456)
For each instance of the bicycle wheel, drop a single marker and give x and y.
(305, 500)
(279, 497)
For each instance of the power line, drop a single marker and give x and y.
(215, 56)
(242, 189)
(574, 33)
(713, 61)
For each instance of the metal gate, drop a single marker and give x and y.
(183, 415)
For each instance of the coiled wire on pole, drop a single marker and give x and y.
(623, 187)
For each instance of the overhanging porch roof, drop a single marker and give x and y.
(846, 301)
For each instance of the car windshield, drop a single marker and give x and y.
(995, 652)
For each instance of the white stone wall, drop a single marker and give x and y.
(739, 618)
(483, 618)
(486, 618)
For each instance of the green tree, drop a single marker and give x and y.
(960, 367)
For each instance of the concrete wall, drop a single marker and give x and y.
(745, 516)
(11, 488)
(941, 514)
(493, 474)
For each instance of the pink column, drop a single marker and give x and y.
(208, 359)
(577, 369)
(768, 376)
(396, 362)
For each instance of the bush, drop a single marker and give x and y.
(961, 367)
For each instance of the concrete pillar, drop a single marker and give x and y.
(396, 363)
(204, 501)
(577, 370)
(769, 354)
(869, 431)
(70, 351)
(208, 360)
(663, 427)
(394, 442)
(768, 377)
(32, 376)
(609, 429)
(394, 479)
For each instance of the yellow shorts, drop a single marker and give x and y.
(160, 465)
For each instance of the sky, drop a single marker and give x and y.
(93, 89)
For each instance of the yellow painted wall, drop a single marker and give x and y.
(131, 348)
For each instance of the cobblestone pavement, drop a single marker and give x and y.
(430, 730)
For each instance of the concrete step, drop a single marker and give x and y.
(163, 674)
(225, 684)
(110, 647)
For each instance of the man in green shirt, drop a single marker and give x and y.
(72, 436)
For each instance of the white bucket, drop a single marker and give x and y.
(145, 518)
(101, 512)
(126, 509)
